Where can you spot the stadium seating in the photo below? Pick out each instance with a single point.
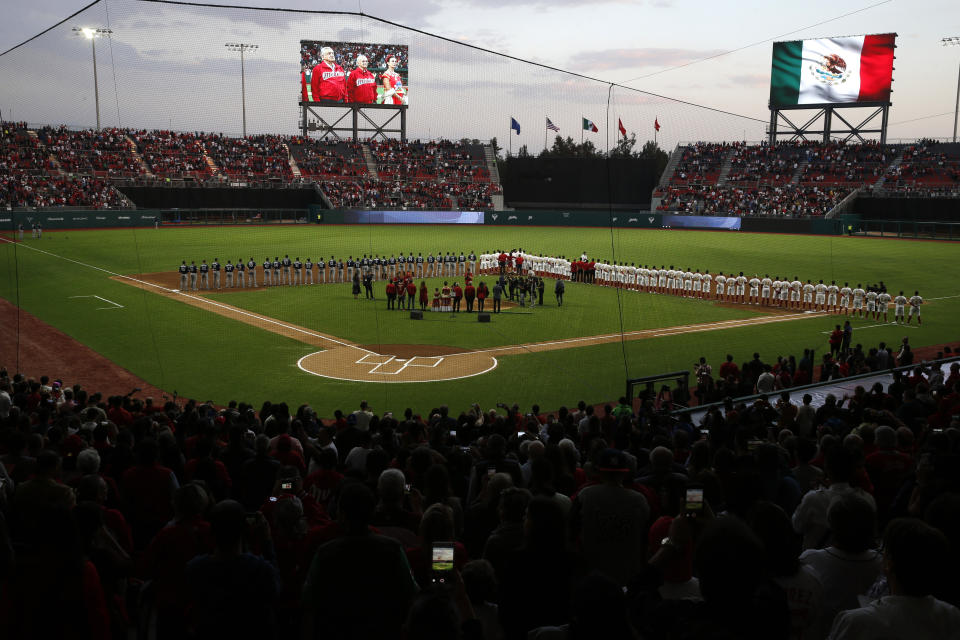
(790, 179)
(118, 491)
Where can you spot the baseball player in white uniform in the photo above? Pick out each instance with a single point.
(858, 294)
(832, 291)
(845, 293)
(883, 303)
(899, 306)
(915, 302)
(820, 295)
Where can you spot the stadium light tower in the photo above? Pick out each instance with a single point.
(242, 48)
(92, 34)
(954, 41)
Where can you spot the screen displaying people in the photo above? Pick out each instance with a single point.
(354, 72)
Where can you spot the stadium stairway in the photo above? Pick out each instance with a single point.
(214, 169)
(725, 167)
(491, 164)
(845, 204)
(136, 154)
(371, 163)
(896, 162)
(671, 167)
(801, 167)
(294, 167)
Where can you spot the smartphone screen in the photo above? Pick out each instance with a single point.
(693, 502)
(441, 561)
(286, 486)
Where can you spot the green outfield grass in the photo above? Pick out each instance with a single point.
(203, 355)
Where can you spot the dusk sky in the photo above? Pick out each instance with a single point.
(635, 44)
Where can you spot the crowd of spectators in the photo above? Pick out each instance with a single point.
(701, 162)
(346, 54)
(927, 163)
(578, 523)
(107, 153)
(766, 200)
(56, 191)
(433, 160)
(255, 157)
(835, 162)
(171, 154)
(328, 159)
(803, 178)
(757, 164)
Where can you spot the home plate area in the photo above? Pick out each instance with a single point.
(392, 365)
(359, 364)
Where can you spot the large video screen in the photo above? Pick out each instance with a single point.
(354, 72)
(843, 70)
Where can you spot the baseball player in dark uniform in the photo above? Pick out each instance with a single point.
(183, 269)
(275, 269)
(251, 271)
(419, 265)
(332, 269)
(239, 268)
(228, 270)
(267, 280)
(286, 263)
(204, 274)
(297, 271)
(308, 271)
(193, 275)
(215, 267)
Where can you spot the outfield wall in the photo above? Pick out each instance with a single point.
(82, 219)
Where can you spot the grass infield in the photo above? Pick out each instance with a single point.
(247, 345)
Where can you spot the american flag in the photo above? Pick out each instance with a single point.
(552, 126)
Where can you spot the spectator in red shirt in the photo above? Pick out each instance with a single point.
(186, 536)
(146, 490)
(729, 368)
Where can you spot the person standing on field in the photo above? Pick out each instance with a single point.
(497, 295)
(915, 302)
(558, 289)
(193, 275)
(215, 267)
(205, 274)
(183, 269)
(251, 271)
(228, 270)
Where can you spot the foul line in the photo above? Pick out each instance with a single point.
(232, 309)
(116, 305)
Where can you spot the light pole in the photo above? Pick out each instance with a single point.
(92, 35)
(242, 48)
(954, 41)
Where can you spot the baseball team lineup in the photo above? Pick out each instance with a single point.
(518, 274)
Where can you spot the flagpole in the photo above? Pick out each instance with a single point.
(655, 120)
(545, 134)
(510, 133)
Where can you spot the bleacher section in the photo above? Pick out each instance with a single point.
(58, 166)
(803, 178)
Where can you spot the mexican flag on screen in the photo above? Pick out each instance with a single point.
(832, 70)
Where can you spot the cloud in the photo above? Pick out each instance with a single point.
(612, 59)
(750, 79)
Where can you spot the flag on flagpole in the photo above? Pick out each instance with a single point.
(656, 124)
(514, 126)
(623, 129)
(589, 126)
(552, 126)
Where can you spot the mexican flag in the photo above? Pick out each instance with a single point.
(589, 126)
(832, 70)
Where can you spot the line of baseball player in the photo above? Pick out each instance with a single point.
(287, 271)
(738, 288)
